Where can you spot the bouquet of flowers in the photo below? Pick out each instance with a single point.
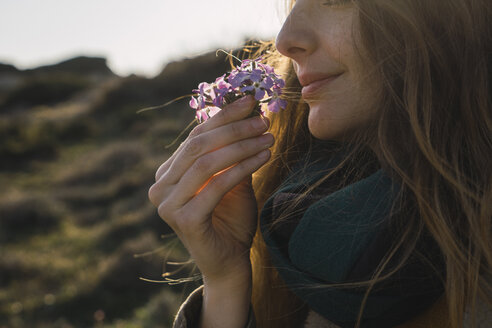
(252, 77)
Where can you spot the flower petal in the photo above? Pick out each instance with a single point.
(213, 110)
(238, 79)
(218, 101)
(193, 103)
(259, 94)
(201, 115)
(280, 83)
(256, 75)
(268, 69)
(247, 88)
(276, 104)
(267, 82)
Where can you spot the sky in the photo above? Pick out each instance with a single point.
(136, 36)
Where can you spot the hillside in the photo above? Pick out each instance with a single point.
(76, 228)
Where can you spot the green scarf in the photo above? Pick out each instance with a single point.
(336, 236)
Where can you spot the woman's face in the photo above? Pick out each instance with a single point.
(320, 36)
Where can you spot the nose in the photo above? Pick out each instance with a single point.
(296, 37)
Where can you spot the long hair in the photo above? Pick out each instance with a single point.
(432, 131)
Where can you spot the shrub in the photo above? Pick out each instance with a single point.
(103, 165)
(46, 90)
(27, 215)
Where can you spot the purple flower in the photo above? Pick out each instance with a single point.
(256, 75)
(222, 85)
(237, 77)
(275, 104)
(201, 115)
(194, 103)
(268, 69)
(202, 93)
(220, 89)
(279, 83)
(245, 63)
(259, 84)
(213, 110)
(251, 77)
(204, 114)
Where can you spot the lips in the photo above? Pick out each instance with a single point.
(313, 82)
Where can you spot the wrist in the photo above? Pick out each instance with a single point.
(235, 278)
(227, 300)
(226, 304)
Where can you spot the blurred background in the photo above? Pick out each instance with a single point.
(80, 244)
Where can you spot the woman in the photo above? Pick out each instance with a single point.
(376, 196)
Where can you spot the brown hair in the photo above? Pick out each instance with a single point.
(433, 61)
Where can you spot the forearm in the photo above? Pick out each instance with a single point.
(226, 304)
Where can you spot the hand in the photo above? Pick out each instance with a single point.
(204, 190)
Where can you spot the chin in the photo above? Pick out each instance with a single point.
(323, 128)
(323, 131)
(329, 125)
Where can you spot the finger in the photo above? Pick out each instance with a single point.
(223, 157)
(165, 166)
(209, 141)
(214, 162)
(235, 111)
(158, 192)
(214, 191)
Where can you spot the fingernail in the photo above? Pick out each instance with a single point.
(263, 154)
(267, 139)
(259, 123)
